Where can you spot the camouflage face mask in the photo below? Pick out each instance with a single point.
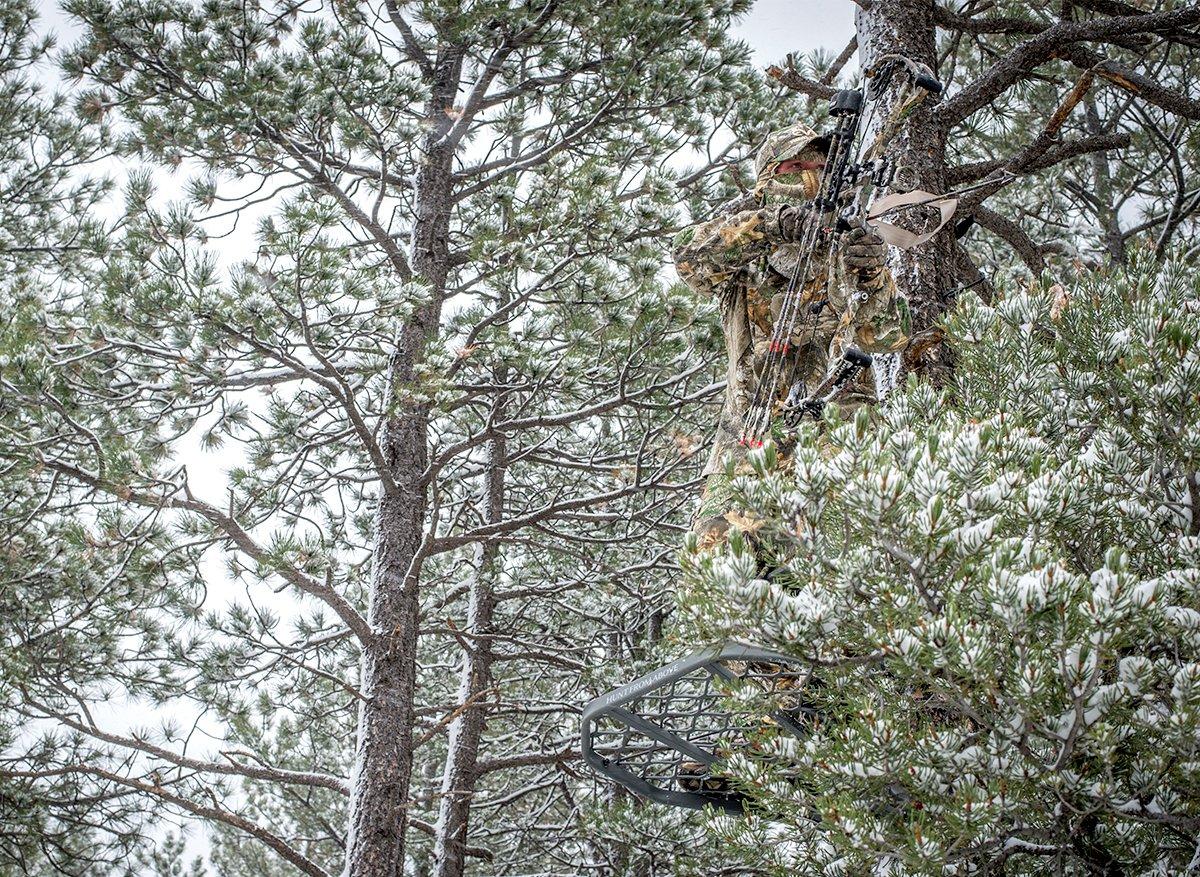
(793, 187)
(795, 141)
(796, 185)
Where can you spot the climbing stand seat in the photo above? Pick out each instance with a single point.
(661, 735)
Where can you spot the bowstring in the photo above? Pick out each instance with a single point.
(759, 415)
(861, 136)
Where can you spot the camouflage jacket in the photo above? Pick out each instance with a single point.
(738, 257)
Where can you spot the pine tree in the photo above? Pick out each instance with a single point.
(439, 399)
(48, 233)
(995, 588)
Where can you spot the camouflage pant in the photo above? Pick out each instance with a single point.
(709, 522)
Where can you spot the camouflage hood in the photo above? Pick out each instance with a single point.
(781, 145)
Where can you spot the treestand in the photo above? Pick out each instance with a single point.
(661, 735)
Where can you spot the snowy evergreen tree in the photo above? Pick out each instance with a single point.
(386, 478)
(361, 456)
(996, 590)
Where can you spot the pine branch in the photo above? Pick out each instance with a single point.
(1065, 150)
(1056, 40)
(229, 526)
(214, 811)
(478, 94)
(1034, 152)
(1133, 82)
(260, 771)
(327, 376)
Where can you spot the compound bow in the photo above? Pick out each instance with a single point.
(852, 175)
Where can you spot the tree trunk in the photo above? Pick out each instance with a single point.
(459, 779)
(924, 274)
(384, 756)
(1106, 213)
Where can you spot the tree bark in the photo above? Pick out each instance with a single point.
(475, 676)
(461, 772)
(384, 755)
(924, 274)
(1114, 240)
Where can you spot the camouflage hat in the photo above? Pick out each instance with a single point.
(784, 144)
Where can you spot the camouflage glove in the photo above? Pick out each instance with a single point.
(864, 252)
(789, 223)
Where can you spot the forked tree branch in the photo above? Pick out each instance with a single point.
(1133, 82)
(1065, 150)
(1055, 41)
(1031, 253)
(792, 78)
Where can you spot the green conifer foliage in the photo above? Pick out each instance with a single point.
(58, 592)
(390, 465)
(996, 589)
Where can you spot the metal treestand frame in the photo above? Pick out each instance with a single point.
(660, 735)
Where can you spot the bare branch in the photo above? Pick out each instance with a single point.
(412, 48)
(1135, 83)
(1116, 7)
(793, 79)
(1031, 253)
(428, 828)
(948, 19)
(567, 753)
(840, 61)
(1065, 150)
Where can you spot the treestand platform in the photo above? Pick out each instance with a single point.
(661, 735)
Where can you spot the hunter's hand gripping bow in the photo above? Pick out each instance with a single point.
(843, 202)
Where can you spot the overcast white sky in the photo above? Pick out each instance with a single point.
(775, 27)
(772, 28)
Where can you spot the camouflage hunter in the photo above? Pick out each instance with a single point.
(745, 257)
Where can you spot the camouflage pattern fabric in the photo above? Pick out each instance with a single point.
(790, 142)
(740, 258)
